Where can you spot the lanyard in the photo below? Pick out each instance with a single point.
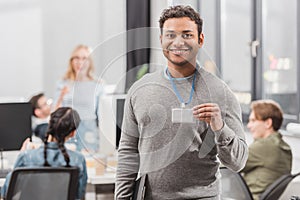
(177, 92)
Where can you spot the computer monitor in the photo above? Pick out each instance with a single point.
(110, 121)
(15, 125)
(119, 119)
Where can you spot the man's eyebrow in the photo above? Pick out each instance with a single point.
(170, 31)
(184, 31)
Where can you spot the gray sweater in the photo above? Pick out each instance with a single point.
(181, 160)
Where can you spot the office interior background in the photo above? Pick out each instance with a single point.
(253, 45)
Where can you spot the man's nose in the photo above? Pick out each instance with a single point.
(178, 41)
(248, 125)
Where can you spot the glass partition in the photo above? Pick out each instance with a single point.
(279, 54)
(235, 48)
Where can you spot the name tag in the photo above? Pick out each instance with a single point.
(182, 115)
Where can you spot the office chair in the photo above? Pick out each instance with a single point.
(275, 190)
(234, 186)
(55, 183)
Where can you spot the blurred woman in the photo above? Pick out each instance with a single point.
(80, 90)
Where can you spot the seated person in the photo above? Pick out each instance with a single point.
(269, 156)
(41, 109)
(62, 126)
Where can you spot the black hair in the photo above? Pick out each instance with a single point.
(178, 12)
(62, 122)
(34, 102)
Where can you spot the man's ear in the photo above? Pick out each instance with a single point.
(269, 123)
(37, 112)
(201, 40)
(160, 38)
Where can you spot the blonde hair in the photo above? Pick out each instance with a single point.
(71, 74)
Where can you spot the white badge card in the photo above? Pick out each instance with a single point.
(182, 115)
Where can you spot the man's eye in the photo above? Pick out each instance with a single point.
(187, 36)
(170, 35)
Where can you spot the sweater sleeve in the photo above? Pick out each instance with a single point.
(231, 144)
(128, 155)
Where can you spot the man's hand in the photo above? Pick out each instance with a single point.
(210, 113)
(27, 145)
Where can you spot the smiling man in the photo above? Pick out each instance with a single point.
(269, 155)
(179, 122)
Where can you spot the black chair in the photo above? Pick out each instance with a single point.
(276, 189)
(235, 187)
(55, 183)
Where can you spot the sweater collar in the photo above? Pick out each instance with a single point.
(183, 78)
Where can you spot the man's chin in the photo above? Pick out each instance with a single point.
(180, 63)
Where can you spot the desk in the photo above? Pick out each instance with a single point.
(107, 178)
(2, 180)
(104, 184)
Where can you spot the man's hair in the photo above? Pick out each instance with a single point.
(34, 102)
(180, 11)
(268, 109)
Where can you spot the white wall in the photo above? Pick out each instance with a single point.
(66, 24)
(21, 50)
(71, 22)
(111, 48)
(37, 37)
(157, 58)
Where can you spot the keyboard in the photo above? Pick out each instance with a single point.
(4, 172)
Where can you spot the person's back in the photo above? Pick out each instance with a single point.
(270, 156)
(62, 126)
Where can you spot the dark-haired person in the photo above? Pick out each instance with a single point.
(269, 155)
(41, 109)
(62, 126)
(179, 122)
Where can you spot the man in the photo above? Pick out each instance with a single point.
(41, 110)
(269, 156)
(179, 122)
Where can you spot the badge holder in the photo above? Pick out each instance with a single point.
(182, 115)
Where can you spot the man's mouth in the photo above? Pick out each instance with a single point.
(179, 51)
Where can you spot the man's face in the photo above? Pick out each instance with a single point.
(180, 41)
(44, 107)
(258, 128)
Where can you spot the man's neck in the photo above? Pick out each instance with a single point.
(181, 71)
(268, 133)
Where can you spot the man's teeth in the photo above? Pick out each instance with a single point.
(179, 51)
